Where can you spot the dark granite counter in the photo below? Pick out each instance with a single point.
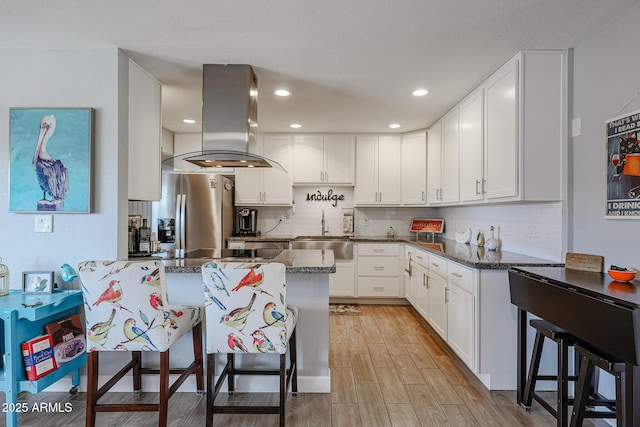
(466, 254)
(296, 262)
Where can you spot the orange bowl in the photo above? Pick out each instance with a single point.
(622, 276)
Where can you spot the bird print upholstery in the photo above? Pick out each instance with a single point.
(127, 307)
(246, 308)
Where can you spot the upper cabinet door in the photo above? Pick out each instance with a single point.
(366, 189)
(339, 155)
(413, 169)
(501, 118)
(277, 183)
(450, 192)
(471, 177)
(145, 127)
(389, 170)
(308, 159)
(434, 164)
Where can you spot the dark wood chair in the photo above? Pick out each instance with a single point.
(247, 312)
(564, 341)
(585, 396)
(127, 309)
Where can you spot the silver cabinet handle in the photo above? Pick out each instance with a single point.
(457, 275)
(435, 264)
(477, 189)
(446, 294)
(378, 251)
(378, 268)
(378, 288)
(423, 195)
(326, 176)
(425, 281)
(484, 181)
(321, 176)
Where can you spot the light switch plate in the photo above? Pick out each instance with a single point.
(44, 224)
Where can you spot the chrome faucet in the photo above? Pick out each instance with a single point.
(324, 230)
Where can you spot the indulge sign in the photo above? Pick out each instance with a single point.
(318, 196)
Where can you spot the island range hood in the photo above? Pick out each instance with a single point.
(229, 121)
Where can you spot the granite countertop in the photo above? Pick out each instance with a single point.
(466, 254)
(295, 261)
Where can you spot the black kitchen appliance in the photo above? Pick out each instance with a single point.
(247, 222)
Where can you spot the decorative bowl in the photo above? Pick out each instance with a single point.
(622, 276)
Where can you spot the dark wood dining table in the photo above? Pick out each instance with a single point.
(591, 306)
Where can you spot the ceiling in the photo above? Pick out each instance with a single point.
(350, 64)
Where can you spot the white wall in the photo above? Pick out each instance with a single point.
(605, 79)
(93, 78)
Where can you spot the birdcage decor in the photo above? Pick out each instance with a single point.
(4, 279)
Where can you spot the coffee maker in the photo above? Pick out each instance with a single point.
(247, 224)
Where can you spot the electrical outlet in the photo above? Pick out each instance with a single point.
(506, 230)
(532, 231)
(576, 127)
(366, 222)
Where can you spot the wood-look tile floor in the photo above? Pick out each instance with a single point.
(388, 368)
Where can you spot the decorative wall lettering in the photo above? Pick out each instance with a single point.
(328, 197)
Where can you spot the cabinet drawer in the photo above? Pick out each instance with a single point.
(378, 266)
(378, 249)
(421, 258)
(461, 277)
(438, 265)
(378, 287)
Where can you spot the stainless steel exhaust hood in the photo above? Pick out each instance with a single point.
(229, 121)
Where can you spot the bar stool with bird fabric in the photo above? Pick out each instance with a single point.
(127, 309)
(246, 311)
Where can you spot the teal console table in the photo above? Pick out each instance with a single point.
(22, 323)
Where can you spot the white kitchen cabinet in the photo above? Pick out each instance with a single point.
(267, 186)
(437, 304)
(434, 163)
(409, 283)
(145, 127)
(414, 169)
(378, 270)
(342, 282)
(377, 170)
(323, 159)
(442, 154)
(461, 312)
(471, 147)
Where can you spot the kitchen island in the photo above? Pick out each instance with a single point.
(307, 273)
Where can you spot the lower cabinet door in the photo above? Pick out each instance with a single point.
(421, 299)
(460, 314)
(437, 304)
(342, 282)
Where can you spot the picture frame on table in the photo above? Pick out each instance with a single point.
(50, 159)
(37, 282)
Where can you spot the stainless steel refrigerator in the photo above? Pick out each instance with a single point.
(195, 212)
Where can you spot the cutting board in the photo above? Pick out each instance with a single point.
(584, 262)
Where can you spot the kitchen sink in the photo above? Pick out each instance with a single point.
(341, 246)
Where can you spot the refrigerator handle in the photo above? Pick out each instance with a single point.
(183, 243)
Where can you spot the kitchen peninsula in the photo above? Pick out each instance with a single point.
(307, 288)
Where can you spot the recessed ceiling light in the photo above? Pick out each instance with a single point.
(420, 92)
(190, 121)
(295, 125)
(394, 125)
(282, 92)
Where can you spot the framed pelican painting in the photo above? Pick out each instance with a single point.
(51, 159)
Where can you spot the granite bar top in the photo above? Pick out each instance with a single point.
(466, 254)
(295, 261)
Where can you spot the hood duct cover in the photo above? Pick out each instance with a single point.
(229, 121)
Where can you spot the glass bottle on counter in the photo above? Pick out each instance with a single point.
(144, 238)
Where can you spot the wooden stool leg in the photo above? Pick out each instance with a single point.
(136, 357)
(582, 392)
(197, 354)
(92, 389)
(211, 392)
(294, 363)
(530, 385)
(283, 388)
(164, 389)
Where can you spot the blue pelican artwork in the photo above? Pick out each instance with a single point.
(52, 174)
